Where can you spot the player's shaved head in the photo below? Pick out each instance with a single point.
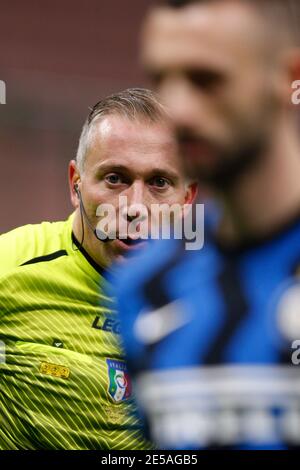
(282, 15)
(224, 68)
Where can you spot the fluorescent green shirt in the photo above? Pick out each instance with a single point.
(63, 384)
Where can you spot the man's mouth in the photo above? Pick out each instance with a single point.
(128, 244)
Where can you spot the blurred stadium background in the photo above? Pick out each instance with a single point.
(57, 58)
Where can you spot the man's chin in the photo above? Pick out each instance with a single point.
(124, 257)
(221, 169)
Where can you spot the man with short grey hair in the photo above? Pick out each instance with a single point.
(64, 382)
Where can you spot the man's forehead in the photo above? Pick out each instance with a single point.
(115, 130)
(198, 31)
(118, 140)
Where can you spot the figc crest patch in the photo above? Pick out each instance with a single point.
(119, 382)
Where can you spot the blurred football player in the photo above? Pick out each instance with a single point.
(212, 336)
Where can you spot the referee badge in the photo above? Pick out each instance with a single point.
(119, 387)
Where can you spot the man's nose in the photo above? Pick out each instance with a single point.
(136, 208)
(176, 93)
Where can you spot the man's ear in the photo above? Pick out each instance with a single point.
(74, 178)
(291, 64)
(191, 192)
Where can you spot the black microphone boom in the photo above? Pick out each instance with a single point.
(102, 236)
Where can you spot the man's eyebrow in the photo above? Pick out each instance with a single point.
(110, 166)
(164, 172)
(155, 171)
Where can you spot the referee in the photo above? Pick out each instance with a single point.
(64, 382)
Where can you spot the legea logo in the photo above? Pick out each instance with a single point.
(2, 92)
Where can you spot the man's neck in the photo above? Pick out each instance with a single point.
(88, 241)
(268, 195)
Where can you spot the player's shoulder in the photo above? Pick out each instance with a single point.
(162, 259)
(145, 264)
(23, 244)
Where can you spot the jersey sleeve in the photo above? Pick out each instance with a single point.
(28, 242)
(15, 248)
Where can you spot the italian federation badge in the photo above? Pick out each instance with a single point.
(119, 382)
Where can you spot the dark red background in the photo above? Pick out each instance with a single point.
(57, 59)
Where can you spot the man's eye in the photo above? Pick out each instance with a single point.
(159, 182)
(113, 178)
(205, 79)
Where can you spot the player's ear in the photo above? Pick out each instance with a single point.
(295, 76)
(291, 77)
(74, 178)
(191, 192)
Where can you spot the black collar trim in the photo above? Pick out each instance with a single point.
(93, 263)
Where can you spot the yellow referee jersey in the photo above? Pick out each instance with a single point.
(63, 379)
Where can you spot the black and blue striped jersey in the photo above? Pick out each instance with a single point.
(213, 341)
